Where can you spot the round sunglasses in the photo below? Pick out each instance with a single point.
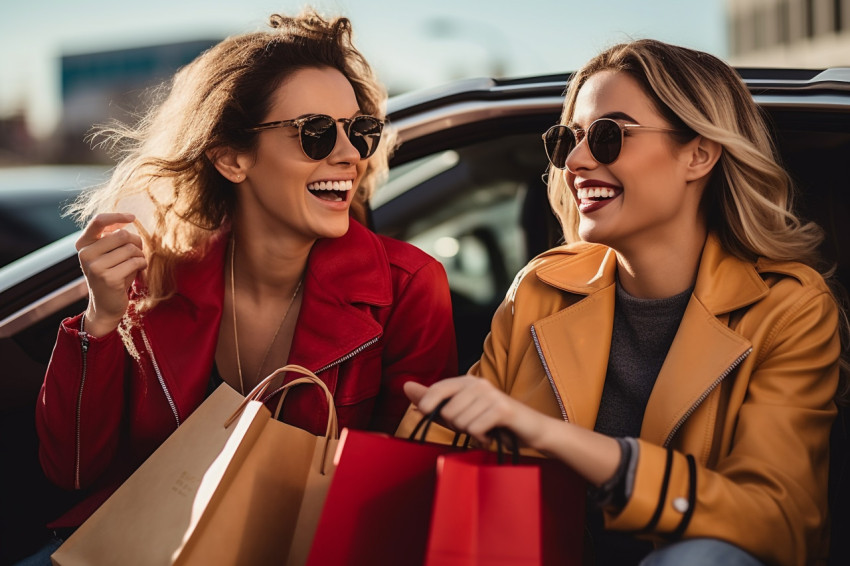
(317, 133)
(604, 139)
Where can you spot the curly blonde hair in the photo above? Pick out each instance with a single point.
(164, 175)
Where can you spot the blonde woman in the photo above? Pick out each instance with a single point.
(681, 352)
(247, 185)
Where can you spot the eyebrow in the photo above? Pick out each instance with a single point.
(613, 115)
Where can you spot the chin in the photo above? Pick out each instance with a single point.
(588, 234)
(336, 229)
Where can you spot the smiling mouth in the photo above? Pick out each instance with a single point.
(333, 191)
(595, 193)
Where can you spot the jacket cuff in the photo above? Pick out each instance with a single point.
(663, 495)
(74, 326)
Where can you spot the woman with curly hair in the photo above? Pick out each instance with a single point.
(247, 187)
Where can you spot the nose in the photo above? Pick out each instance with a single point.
(580, 157)
(344, 151)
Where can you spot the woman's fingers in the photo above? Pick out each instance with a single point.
(475, 405)
(117, 265)
(481, 417)
(112, 260)
(414, 391)
(131, 244)
(102, 224)
(110, 257)
(440, 391)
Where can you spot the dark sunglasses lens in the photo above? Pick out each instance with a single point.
(318, 137)
(605, 141)
(559, 142)
(364, 133)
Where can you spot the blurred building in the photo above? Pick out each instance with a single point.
(112, 85)
(16, 143)
(789, 33)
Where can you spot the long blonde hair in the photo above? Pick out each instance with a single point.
(164, 175)
(749, 200)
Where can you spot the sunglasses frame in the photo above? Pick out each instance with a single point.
(299, 123)
(622, 128)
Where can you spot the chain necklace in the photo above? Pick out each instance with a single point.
(236, 334)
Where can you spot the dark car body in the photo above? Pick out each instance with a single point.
(467, 186)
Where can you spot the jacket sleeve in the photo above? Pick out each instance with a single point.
(419, 342)
(493, 365)
(80, 406)
(767, 494)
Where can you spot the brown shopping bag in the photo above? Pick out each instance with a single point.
(488, 513)
(230, 486)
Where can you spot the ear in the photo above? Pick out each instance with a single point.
(703, 157)
(229, 163)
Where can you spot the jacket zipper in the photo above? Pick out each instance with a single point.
(345, 358)
(548, 374)
(84, 347)
(705, 394)
(159, 375)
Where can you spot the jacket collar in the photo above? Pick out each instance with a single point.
(351, 269)
(591, 267)
(345, 276)
(575, 342)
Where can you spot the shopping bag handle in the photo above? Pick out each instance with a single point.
(308, 377)
(499, 434)
(425, 423)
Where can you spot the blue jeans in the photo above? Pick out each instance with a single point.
(700, 552)
(42, 557)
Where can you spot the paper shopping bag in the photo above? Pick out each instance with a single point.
(378, 506)
(488, 514)
(230, 486)
(269, 510)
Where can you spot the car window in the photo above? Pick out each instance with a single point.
(477, 238)
(479, 210)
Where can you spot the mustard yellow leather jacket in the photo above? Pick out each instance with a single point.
(746, 393)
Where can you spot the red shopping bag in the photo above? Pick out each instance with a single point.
(378, 506)
(530, 513)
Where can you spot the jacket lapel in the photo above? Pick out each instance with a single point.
(344, 277)
(702, 351)
(705, 349)
(192, 317)
(574, 342)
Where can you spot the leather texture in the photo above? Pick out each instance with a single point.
(747, 389)
(375, 310)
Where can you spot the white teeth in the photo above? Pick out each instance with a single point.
(331, 186)
(596, 192)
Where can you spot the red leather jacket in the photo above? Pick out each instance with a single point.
(375, 313)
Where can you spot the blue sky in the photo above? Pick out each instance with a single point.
(412, 44)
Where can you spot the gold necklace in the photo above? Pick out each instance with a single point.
(236, 333)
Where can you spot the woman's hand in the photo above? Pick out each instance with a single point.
(110, 257)
(477, 407)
